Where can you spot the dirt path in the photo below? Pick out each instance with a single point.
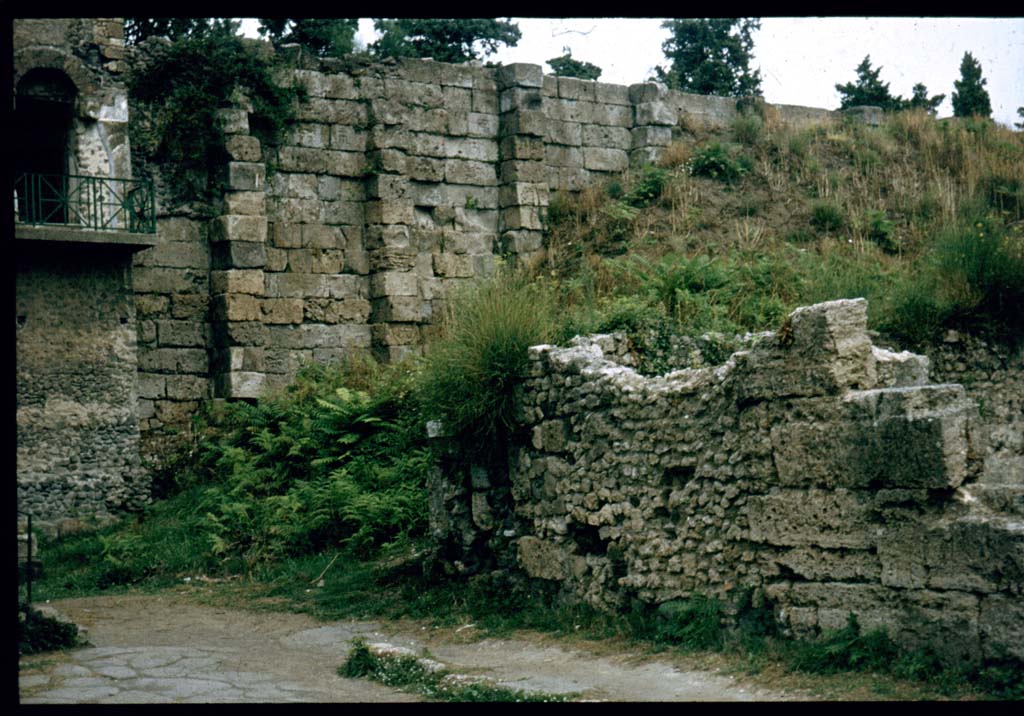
(165, 649)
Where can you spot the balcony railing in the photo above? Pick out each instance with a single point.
(85, 202)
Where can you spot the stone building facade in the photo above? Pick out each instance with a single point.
(79, 220)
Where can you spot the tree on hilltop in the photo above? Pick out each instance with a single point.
(445, 40)
(970, 97)
(869, 90)
(1020, 113)
(921, 100)
(567, 66)
(711, 56)
(326, 37)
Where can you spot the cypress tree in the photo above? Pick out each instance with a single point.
(970, 97)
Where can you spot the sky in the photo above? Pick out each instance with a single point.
(801, 59)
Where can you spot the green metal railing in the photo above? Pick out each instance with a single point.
(85, 202)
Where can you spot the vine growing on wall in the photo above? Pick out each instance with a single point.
(175, 92)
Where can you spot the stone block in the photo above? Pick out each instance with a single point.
(152, 385)
(462, 171)
(308, 134)
(519, 74)
(650, 136)
(823, 518)
(393, 283)
(482, 125)
(340, 86)
(608, 115)
(825, 565)
(347, 139)
(522, 148)
(1001, 625)
(226, 255)
(605, 160)
(233, 121)
(236, 307)
(401, 309)
(239, 384)
(522, 217)
(388, 211)
(187, 387)
(300, 159)
(174, 254)
(174, 360)
(246, 176)
(521, 242)
(245, 203)
(319, 236)
(480, 150)
(296, 285)
(347, 286)
(567, 133)
(425, 169)
(147, 279)
(238, 227)
(248, 333)
(343, 213)
(344, 164)
(611, 94)
(532, 122)
(243, 148)
(181, 333)
(484, 102)
(395, 334)
(519, 98)
(277, 260)
(235, 358)
(897, 370)
(523, 194)
(514, 171)
(282, 310)
(647, 92)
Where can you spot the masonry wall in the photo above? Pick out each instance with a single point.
(824, 474)
(77, 442)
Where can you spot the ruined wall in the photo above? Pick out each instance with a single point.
(77, 441)
(816, 469)
(397, 182)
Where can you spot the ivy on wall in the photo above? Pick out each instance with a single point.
(175, 92)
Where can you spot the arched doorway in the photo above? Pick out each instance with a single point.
(43, 119)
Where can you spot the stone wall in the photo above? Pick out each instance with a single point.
(397, 182)
(823, 473)
(78, 433)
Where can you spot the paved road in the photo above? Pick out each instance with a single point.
(165, 649)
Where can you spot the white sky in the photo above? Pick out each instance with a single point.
(801, 59)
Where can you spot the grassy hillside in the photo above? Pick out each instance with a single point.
(737, 227)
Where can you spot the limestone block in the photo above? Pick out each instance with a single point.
(347, 139)
(277, 260)
(519, 74)
(824, 518)
(233, 121)
(174, 254)
(481, 150)
(563, 156)
(309, 134)
(454, 75)
(246, 176)
(154, 279)
(187, 387)
(573, 88)
(238, 227)
(896, 370)
(242, 148)
(239, 384)
(236, 307)
(605, 160)
(152, 385)
(313, 82)
(531, 122)
(946, 621)
(282, 310)
(826, 565)
(402, 309)
(550, 436)
(299, 159)
(605, 93)
(393, 283)
(174, 360)
(608, 137)
(425, 169)
(518, 98)
(388, 211)
(238, 254)
(387, 186)
(522, 217)
(296, 285)
(244, 358)
(476, 197)
(484, 102)
(568, 110)
(523, 194)
(647, 92)
(340, 86)
(542, 559)
(656, 113)
(970, 554)
(522, 148)
(459, 171)
(319, 236)
(247, 333)
(395, 334)
(451, 265)
(344, 164)
(245, 203)
(392, 258)
(513, 171)
(1001, 625)
(344, 213)
(482, 125)
(567, 133)
(329, 310)
(650, 136)
(190, 306)
(181, 333)
(609, 115)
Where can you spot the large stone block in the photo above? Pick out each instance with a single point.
(460, 171)
(236, 307)
(542, 559)
(605, 160)
(282, 310)
(296, 285)
(656, 113)
(181, 333)
(233, 227)
(401, 309)
(823, 518)
(246, 176)
(226, 255)
(393, 283)
(239, 384)
(519, 74)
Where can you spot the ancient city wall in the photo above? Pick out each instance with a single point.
(823, 473)
(398, 181)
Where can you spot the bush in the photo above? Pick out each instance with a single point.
(879, 229)
(716, 162)
(747, 129)
(38, 632)
(647, 188)
(694, 623)
(469, 376)
(846, 649)
(827, 217)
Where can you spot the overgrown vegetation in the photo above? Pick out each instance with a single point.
(413, 674)
(175, 95)
(39, 633)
